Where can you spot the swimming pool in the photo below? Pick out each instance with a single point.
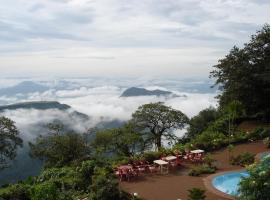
(228, 182)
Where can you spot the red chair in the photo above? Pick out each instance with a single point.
(141, 169)
(152, 168)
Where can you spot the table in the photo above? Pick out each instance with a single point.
(170, 158)
(197, 151)
(162, 165)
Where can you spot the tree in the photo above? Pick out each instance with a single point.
(9, 141)
(124, 141)
(157, 120)
(201, 122)
(244, 75)
(257, 185)
(196, 194)
(233, 111)
(55, 128)
(59, 150)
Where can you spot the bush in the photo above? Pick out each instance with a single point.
(257, 185)
(104, 186)
(243, 159)
(16, 192)
(259, 133)
(209, 140)
(196, 194)
(266, 141)
(45, 191)
(201, 169)
(239, 137)
(151, 156)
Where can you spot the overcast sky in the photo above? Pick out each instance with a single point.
(123, 37)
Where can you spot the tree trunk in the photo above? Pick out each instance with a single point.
(158, 142)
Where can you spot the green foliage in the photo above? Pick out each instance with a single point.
(197, 170)
(238, 137)
(259, 133)
(16, 192)
(209, 160)
(257, 185)
(65, 183)
(152, 155)
(266, 141)
(45, 191)
(202, 121)
(179, 148)
(196, 194)
(243, 75)
(209, 140)
(9, 141)
(243, 159)
(157, 120)
(220, 125)
(104, 186)
(65, 177)
(124, 141)
(232, 111)
(59, 150)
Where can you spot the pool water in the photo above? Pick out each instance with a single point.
(228, 182)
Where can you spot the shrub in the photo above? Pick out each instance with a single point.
(151, 156)
(179, 148)
(239, 137)
(257, 185)
(259, 133)
(209, 140)
(16, 192)
(209, 160)
(201, 169)
(45, 191)
(243, 159)
(266, 141)
(104, 186)
(196, 194)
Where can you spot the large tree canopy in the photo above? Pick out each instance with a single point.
(59, 150)
(244, 75)
(9, 141)
(124, 141)
(201, 122)
(158, 120)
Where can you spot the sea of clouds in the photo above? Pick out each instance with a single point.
(99, 98)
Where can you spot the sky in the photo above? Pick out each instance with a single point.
(163, 38)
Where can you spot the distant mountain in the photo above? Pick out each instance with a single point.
(44, 105)
(135, 91)
(23, 88)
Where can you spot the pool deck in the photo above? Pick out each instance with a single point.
(176, 184)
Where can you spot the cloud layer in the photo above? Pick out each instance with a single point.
(119, 37)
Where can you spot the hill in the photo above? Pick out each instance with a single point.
(43, 105)
(135, 91)
(23, 88)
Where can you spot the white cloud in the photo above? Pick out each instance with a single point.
(118, 37)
